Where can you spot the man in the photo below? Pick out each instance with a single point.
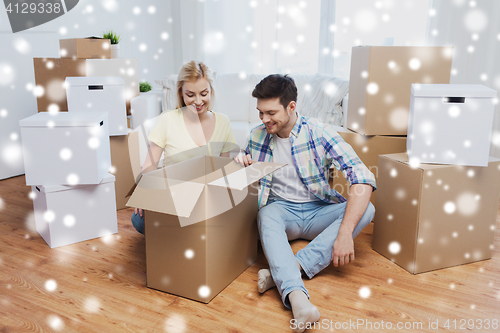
(297, 202)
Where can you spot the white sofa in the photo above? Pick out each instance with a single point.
(319, 96)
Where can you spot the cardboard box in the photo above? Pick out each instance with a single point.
(368, 148)
(70, 214)
(121, 168)
(125, 68)
(451, 123)
(50, 74)
(106, 94)
(379, 84)
(200, 220)
(65, 148)
(85, 48)
(435, 216)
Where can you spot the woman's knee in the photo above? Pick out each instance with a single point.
(138, 222)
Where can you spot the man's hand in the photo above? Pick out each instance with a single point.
(243, 159)
(343, 249)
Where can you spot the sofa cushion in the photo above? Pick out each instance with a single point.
(323, 100)
(232, 96)
(241, 129)
(169, 92)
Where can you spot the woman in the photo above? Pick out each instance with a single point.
(191, 130)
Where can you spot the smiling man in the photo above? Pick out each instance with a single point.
(297, 201)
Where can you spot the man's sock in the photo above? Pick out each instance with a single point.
(265, 281)
(303, 310)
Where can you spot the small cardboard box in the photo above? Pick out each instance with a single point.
(435, 216)
(106, 94)
(367, 148)
(50, 74)
(121, 168)
(70, 214)
(125, 68)
(65, 148)
(451, 123)
(85, 48)
(200, 221)
(379, 84)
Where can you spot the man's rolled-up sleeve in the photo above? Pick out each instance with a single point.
(346, 160)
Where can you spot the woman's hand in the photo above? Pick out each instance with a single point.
(139, 211)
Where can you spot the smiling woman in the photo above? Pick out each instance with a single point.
(192, 129)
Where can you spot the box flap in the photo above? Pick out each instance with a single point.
(57, 188)
(65, 119)
(185, 195)
(452, 90)
(165, 195)
(94, 81)
(245, 176)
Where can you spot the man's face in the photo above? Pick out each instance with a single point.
(275, 116)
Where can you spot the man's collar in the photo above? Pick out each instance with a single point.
(296, 127)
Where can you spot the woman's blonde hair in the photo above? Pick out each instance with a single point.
(192, 71)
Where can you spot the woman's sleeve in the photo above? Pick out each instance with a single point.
(230, 142)
(158, 134)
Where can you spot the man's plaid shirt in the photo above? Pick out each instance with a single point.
(315, 147)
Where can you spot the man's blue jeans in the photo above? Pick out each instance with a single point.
(281, 221)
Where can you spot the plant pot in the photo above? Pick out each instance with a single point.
(115, 51)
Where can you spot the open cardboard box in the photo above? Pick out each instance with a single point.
(200, 223)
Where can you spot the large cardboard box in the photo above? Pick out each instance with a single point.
(65, 148)
(50, 74)
(368, 148)
(85, 48)
(106, 94)
(126, 68)
(70, 214)
(121, 168)
(451, 123)
(200, 222)
(379, 84)
(435, 216)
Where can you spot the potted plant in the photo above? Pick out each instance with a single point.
(115, 39)
(144, 87)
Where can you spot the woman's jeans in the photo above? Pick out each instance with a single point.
(281, 221)
(138, 222)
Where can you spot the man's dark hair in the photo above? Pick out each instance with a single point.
(276, 85)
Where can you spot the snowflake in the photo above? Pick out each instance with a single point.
(364, 292)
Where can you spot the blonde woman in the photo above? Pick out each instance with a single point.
(191, 130)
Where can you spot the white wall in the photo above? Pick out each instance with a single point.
(145, 28)
(473, 28)
(376, 22)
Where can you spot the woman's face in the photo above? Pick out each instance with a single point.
(197, 95)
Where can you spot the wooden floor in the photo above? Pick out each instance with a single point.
(99, 286)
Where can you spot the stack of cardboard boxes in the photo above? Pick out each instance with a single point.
(91, 57)
(437, 205)
(379, 98)
(66, 159)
